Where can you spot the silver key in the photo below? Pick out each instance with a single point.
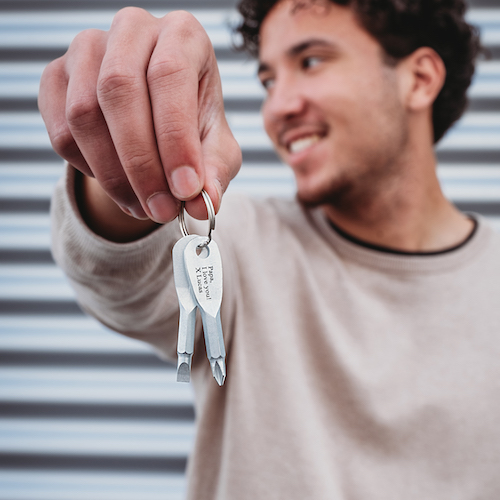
(203, 266)
(187, 311)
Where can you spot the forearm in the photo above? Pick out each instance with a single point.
(104, 217)
(127, 286)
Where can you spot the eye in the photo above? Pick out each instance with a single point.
(311, 62)
(267, 83)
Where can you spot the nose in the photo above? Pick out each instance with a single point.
(284, 101)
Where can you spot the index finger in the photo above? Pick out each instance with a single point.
(182, 75)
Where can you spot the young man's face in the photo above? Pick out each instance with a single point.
(333, 109)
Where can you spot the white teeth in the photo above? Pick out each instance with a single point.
(303, 143)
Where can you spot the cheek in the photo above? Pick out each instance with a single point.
(269, 125)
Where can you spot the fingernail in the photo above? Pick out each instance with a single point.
(126, 210)
(163, 207)
(138, 212)
(185, 182)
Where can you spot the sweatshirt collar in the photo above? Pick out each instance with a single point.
(386, 259)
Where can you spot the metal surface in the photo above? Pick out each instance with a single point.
(187, 311)
(197, 267)
(53, 366)
(204, 271)
(211, 218)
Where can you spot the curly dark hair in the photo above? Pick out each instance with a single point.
(401, 27)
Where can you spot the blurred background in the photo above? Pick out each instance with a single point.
(85, 413)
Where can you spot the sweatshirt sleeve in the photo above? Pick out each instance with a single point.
(126, 286)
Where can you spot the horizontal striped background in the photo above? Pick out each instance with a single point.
(85, 413)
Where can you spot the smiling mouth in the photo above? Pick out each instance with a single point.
(303, 143)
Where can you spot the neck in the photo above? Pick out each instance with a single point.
(406, 212)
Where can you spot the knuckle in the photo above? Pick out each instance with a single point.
(137, 162)
(129, 14)
(82, 112)
(88, 37)
(53, 74)
(174, 132)
(185, 27)
(183, 21)
(175, 69)
(62, 141)
(54, 68)
(231, 166)
(235, 158)
(228, 160)
(89, 43)
(116, 84)
(115, 185)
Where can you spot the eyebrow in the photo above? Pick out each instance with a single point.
(297, 50)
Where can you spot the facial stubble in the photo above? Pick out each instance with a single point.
(373, 166)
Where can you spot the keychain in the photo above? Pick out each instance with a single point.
(197, 269)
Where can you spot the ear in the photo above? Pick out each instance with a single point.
(423, 73)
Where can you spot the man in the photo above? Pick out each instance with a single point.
(362, 321)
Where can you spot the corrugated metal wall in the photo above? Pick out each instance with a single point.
(85, 413)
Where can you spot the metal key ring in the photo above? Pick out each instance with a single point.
(211, 218)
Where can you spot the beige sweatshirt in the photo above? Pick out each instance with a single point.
(353, 373)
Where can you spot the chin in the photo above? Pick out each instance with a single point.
(334, 191)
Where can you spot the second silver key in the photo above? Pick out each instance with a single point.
(204, 269)
(187, 311)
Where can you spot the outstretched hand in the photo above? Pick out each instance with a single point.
(140, 108)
